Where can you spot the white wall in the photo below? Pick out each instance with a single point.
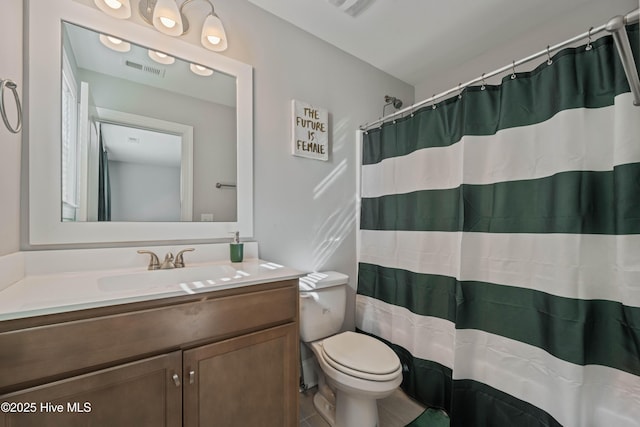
(305, 209)
(10, 144)
(144, 192)
(593, 14)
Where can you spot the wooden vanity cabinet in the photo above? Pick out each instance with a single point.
(243, 381)
(228, 358)
(140, 393)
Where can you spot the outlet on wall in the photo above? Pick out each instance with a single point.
(206, 217)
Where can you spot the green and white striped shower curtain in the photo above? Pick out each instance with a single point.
(499, 246)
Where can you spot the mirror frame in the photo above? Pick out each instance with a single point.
(43, 67)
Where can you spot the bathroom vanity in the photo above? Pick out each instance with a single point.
(222, 354)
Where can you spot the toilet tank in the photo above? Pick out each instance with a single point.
(323, 298)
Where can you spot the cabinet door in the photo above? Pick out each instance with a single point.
(251, 380)
(142, 393)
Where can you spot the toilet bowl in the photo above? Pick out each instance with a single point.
(354, 370)
(356, 391)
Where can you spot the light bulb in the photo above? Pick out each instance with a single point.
(115, 43)
(200, 70)
(167, 22)
(213, 39)
(161, 58)
(213, 36)
(120, 9)
(167, 19)
(114, 40)
(113, 4)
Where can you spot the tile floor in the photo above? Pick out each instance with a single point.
(397, 410)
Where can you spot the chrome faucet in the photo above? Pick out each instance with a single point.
(168, 263)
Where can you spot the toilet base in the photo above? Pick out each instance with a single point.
(355, 411)
(347, 411)
(326, 409)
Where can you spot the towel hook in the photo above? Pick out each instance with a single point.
(13, 86)
(549, 60)
(589, 46)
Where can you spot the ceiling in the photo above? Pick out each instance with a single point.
(141, 146)
(411, 39)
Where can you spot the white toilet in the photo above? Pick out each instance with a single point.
(355, 369)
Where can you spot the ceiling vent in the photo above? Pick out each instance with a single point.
(351, 7)
(145, 68)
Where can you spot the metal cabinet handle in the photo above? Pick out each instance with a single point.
(176, 380)
(192, 377)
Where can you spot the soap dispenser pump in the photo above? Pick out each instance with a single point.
(236, 249)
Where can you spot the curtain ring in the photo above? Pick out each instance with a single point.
(459, 91)
(484, 84)
(588, 47)
(513, 67)
(549, 60)
(13, 86)
(434, 106)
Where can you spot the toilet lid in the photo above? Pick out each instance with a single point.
(361, 355)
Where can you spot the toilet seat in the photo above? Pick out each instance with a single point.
(361, 356)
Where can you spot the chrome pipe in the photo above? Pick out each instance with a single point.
(630, 18)
(616, 26)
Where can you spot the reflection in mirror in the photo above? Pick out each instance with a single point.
(145, 136)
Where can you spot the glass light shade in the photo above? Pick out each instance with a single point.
(166, 18)
(114, 43)
(200, 70)
(120, 9)
(213, 36)
(161, 58)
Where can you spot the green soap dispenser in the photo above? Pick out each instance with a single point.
(236, 249)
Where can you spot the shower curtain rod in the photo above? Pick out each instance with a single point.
(615, 25)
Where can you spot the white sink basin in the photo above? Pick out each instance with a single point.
(180, 278)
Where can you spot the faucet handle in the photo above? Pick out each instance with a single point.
(179, 262)
(154, 262)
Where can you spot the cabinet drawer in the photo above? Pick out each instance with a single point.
(39, 354)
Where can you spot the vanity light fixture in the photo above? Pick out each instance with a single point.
(115, 43)
(200, 70)
(213, 35)
(167, 18)
(161, 58)
(120, 9)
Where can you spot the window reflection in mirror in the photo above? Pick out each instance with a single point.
(144, 138)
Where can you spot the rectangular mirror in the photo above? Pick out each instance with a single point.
(124, 147)
(125, 155)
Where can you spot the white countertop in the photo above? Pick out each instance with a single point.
(41, 294)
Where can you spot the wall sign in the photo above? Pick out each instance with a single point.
(310, 135)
